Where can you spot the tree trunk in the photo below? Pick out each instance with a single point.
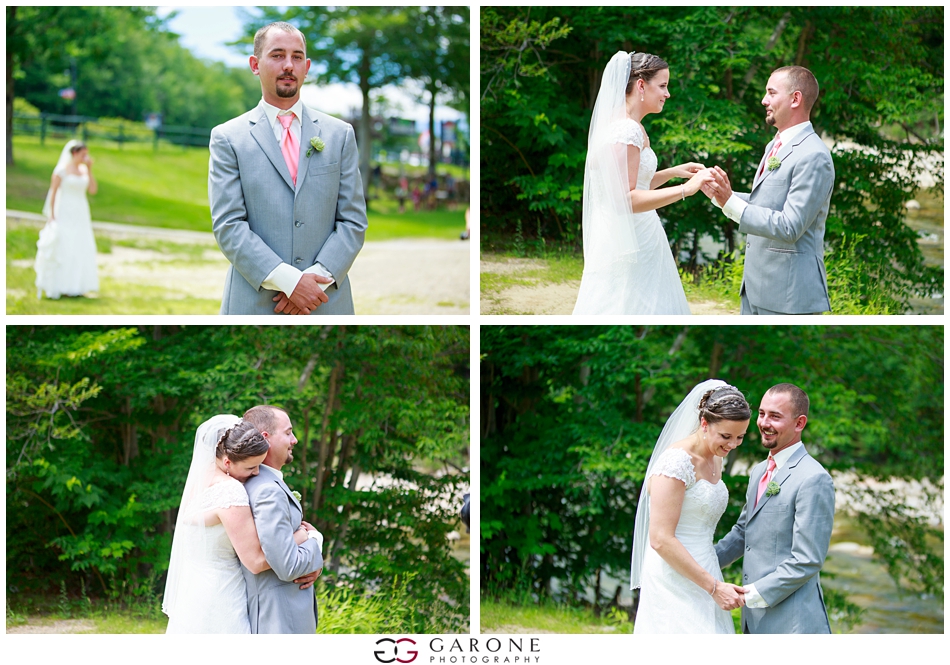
(364, 139)
(433, 154)
(11, 21)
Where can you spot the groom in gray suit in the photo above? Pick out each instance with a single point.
(784, 215)
(280, 600)
(286, 196)
(784, 529)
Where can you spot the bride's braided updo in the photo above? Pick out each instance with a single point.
(240, 442)
(644, 66)
(724, 403)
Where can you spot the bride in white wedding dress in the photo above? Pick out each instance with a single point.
(683, 497)
(66, 251)
(628, 265)
(205, 591)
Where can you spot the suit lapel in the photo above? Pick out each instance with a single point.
(309, 128)
(263, 133)
(783, 152)
(761, 167)
(780, 476)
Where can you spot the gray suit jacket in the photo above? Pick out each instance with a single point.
(260, 219)
(783, 542)
(274, 603)
(785, 222)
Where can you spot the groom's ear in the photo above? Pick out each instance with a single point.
(800, 423)
(254, 64)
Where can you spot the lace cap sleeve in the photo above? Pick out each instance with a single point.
(676, 463)
(627, 131)
(225, 494)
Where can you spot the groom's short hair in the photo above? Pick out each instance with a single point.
(796, 396)
(261, 35)
(263, 417)
(802, 80)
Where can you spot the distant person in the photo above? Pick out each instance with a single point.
(66, 251)
(467, 233)
(402, 192)
(287, 204)
(416, 196)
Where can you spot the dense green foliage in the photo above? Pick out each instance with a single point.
(881, 74)
(127, 63)
(100, 431)
(570, 415)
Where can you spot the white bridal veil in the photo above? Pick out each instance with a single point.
(682, 423)
(188, 544)
(608, 218)
(64, 158)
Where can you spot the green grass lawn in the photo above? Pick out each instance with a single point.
(169, 189)
(114, 297)
(548, 618)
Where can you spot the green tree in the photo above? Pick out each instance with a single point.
(438, 57)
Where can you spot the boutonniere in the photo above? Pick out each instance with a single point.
(772, 488)
(299, 498)
(773, 163)
(316, 143)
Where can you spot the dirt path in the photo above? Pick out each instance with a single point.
(532, 295)
(413, 276)
(37, 625)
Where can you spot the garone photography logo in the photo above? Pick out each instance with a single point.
(389, 651)
(511, 650)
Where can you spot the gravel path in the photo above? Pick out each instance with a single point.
(412, 276)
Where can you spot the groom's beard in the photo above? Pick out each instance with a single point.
(769, 444)
(286, 92)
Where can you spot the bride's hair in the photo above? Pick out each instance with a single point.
(644, 66)
(79, 145)
(240, 442)
(724, 403)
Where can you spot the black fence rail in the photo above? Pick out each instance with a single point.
(49, 125)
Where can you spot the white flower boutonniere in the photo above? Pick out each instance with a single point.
(772, 488)
(773, 163)
(316, 143)
(296, 494)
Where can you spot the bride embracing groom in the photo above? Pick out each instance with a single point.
(628, 265)
(782, 535)
(242, 560)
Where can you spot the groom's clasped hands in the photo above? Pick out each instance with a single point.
(306, 297)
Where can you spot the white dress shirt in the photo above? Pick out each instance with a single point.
(752, 597)
(735, 206)
(285, 277)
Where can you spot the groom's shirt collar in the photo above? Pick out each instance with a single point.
(789, 134)
(279, 473)
(782, 456)
(271, 113)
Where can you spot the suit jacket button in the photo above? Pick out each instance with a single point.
(748, 549)
(298, 223)
(298, 260)
(745, 577)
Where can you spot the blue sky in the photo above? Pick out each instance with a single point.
(205, 30)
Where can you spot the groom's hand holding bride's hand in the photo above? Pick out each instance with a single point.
(719, 189)
(687, 170)
(307, 296)
(307, 580)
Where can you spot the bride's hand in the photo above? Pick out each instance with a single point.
(729, 596)
(695, 183)
(687, 170)
(300, 535)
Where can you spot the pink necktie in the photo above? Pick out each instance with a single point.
(772, 153)
(765, 480)
(289, 145)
